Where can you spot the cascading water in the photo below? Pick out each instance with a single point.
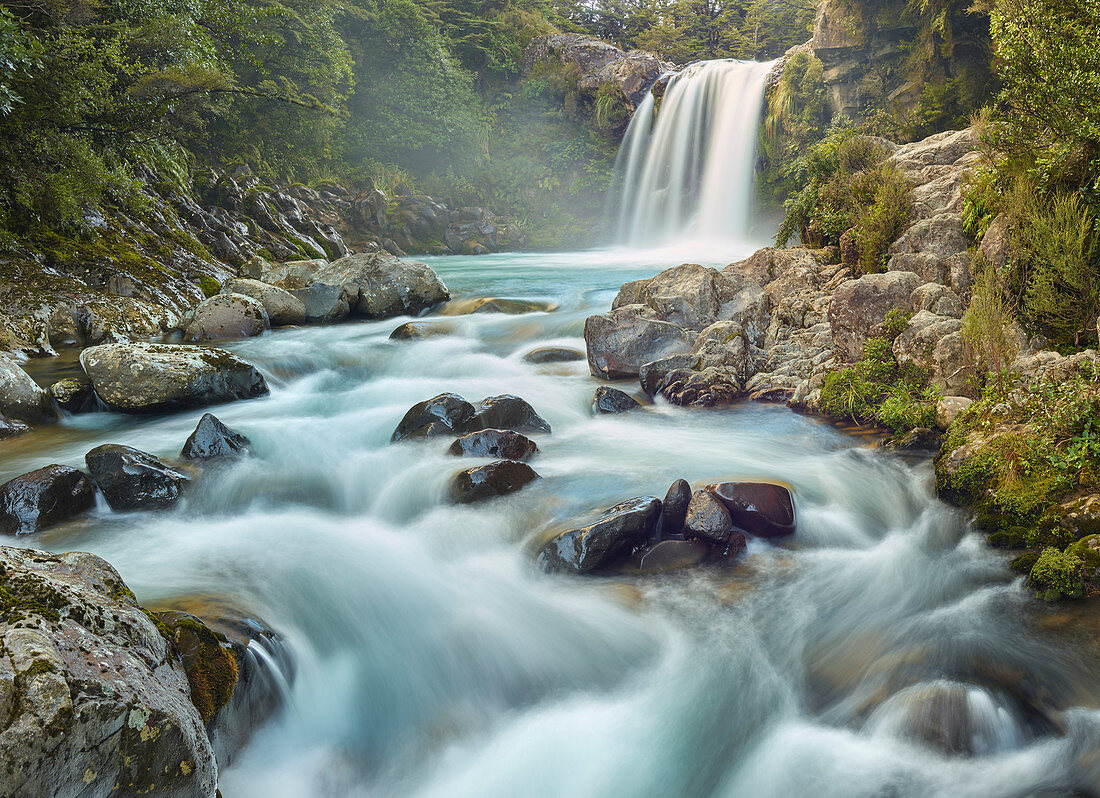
(687, 172)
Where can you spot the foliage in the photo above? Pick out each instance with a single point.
(1058, 573)
(846, 184)
(877, 390)
(985, 323)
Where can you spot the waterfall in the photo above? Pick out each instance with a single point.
(688, 170)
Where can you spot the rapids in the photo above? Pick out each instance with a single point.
(435, 659)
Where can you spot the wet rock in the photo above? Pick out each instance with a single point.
(672, 555)
(211, 438)
(9, 428)
(95, 701)
(42, 498)
(612, 400)
(445, 414)
(20, 397)
(711, 387)
(489, 481)
(136, 378)
(225, 316)
(605, 542)
(73, 395)
(418, 330)
(497, 443)
(553, 354)
(759, 508)
(621, 341)
(511, 307)
(707, 519)
(651, 375)
(859, 308)
(674, 509)
(282, 307)
(920, 439)
(210, 663)
(131, 479)
(508, 412)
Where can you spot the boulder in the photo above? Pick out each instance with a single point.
(131, 479)
(282, 307)
(323, 304)
(651, 375)
(674, 509)
(44, 497)
(137, 378)
(859, 308)
(211, 438)
(937, 299)
(73, 395)
(21, 398)
(553, 354)
(489, 481)
(759, 508)
(724, 345)
(496, 443)
(707, 519)
(612, 400)
(603, 543)
(934, 343)
(621, 341)
(711, 387)
(948, 409)
(9, 428)
(96, 703)
(941, 235)
(694, 297)
(507, 412)
(384, 286)
(918, 440)
(769, 263)
(225, 316)
(444, 414)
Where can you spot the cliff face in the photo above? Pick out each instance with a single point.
(880, 56)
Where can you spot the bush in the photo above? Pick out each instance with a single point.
(848, 185)
(985, 324)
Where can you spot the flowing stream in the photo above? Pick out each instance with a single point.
(883, 650)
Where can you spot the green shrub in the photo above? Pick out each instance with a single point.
(985, 323)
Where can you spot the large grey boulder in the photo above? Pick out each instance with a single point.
(138, 378)
(859, 308)
(378, 285)
(941, 235)
(694, 297)
(21, 397)
(95, 702)
(225, 316)
(934, 343)
(621, 341)
(282, 307)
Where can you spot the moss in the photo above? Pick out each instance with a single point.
(208, 285)
(1025, 562)
(23, 595)
(1058, 574)
(210, 665)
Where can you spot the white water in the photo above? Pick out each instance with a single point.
(685, 175)
(435, 659)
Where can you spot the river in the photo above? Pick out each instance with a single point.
(436, 659)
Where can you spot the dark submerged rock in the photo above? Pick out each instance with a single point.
(498, 443)
(710, 387)
(674, 509)
(759, 508)
(132, 479)
(212, 438)
(445, 414)
(489, 481)
(508, 412)
(604, 542)
(707, 518)
(42, 498)
(553, 354)
(670, 555)
(612, 400)
(416, 330)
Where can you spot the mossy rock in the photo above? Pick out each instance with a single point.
(210, 287)
(207, 659)
(1057, 574)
